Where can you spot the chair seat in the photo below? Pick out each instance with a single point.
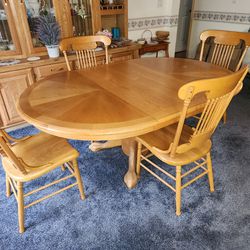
(41, 153)
(162, 138)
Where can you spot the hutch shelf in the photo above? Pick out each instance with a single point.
(108, 16)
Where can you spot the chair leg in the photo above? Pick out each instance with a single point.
(78, 179)
(20, 203)
(210, 173)
(8, 187)
(138, 161)
(178, 190)
(63, 167)
(225, 117)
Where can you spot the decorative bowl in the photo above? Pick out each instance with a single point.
(141, 41)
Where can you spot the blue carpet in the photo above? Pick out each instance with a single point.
(113, 217)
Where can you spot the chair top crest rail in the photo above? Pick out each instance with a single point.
(228, 50)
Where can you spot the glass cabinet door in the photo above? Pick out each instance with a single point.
(19, 21)
(81, 17)
(34, 9)
(9, 44)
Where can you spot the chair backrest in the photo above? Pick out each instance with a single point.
(225, 44)
(5, 147)
(218, 92)
(84, 47)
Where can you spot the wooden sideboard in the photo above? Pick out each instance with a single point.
(15, 78)
(155, 48)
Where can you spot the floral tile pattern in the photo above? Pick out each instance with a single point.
(225, 17)
(172, 21)
(152, 22)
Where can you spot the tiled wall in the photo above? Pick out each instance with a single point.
(152, 22)
(153, 15)
(225, 17)
(208, 14)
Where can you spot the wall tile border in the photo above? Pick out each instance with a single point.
(152, 22)
(225, 17)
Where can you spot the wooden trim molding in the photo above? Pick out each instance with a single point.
(63, 16)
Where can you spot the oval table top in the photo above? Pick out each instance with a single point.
(114, 101)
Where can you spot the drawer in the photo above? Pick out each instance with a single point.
(123, 56)
(48, 70)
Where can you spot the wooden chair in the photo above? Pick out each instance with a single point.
(31, 157)
(225, 45)
(178, 145)
(224, 51)
(84, 47)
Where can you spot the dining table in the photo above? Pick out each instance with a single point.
(114, 102)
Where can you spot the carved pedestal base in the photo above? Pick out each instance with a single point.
(96, 145)
(129, 147)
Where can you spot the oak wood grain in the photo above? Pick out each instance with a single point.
(114, 101)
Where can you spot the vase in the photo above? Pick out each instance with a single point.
(53, 51)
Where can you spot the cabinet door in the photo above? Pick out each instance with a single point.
(81, 17)
(12, 84)
(74, 17)
(27, 13)
(9, 44)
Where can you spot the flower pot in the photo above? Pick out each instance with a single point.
(53, 51)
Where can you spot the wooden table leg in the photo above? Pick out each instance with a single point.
(166, 52)
(129, 147)
(96, 145)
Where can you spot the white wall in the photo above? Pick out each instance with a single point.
(232, 15)
(149, 8)
(235, 6)
(153, 15)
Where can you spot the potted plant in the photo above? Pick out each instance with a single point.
(49, 34)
